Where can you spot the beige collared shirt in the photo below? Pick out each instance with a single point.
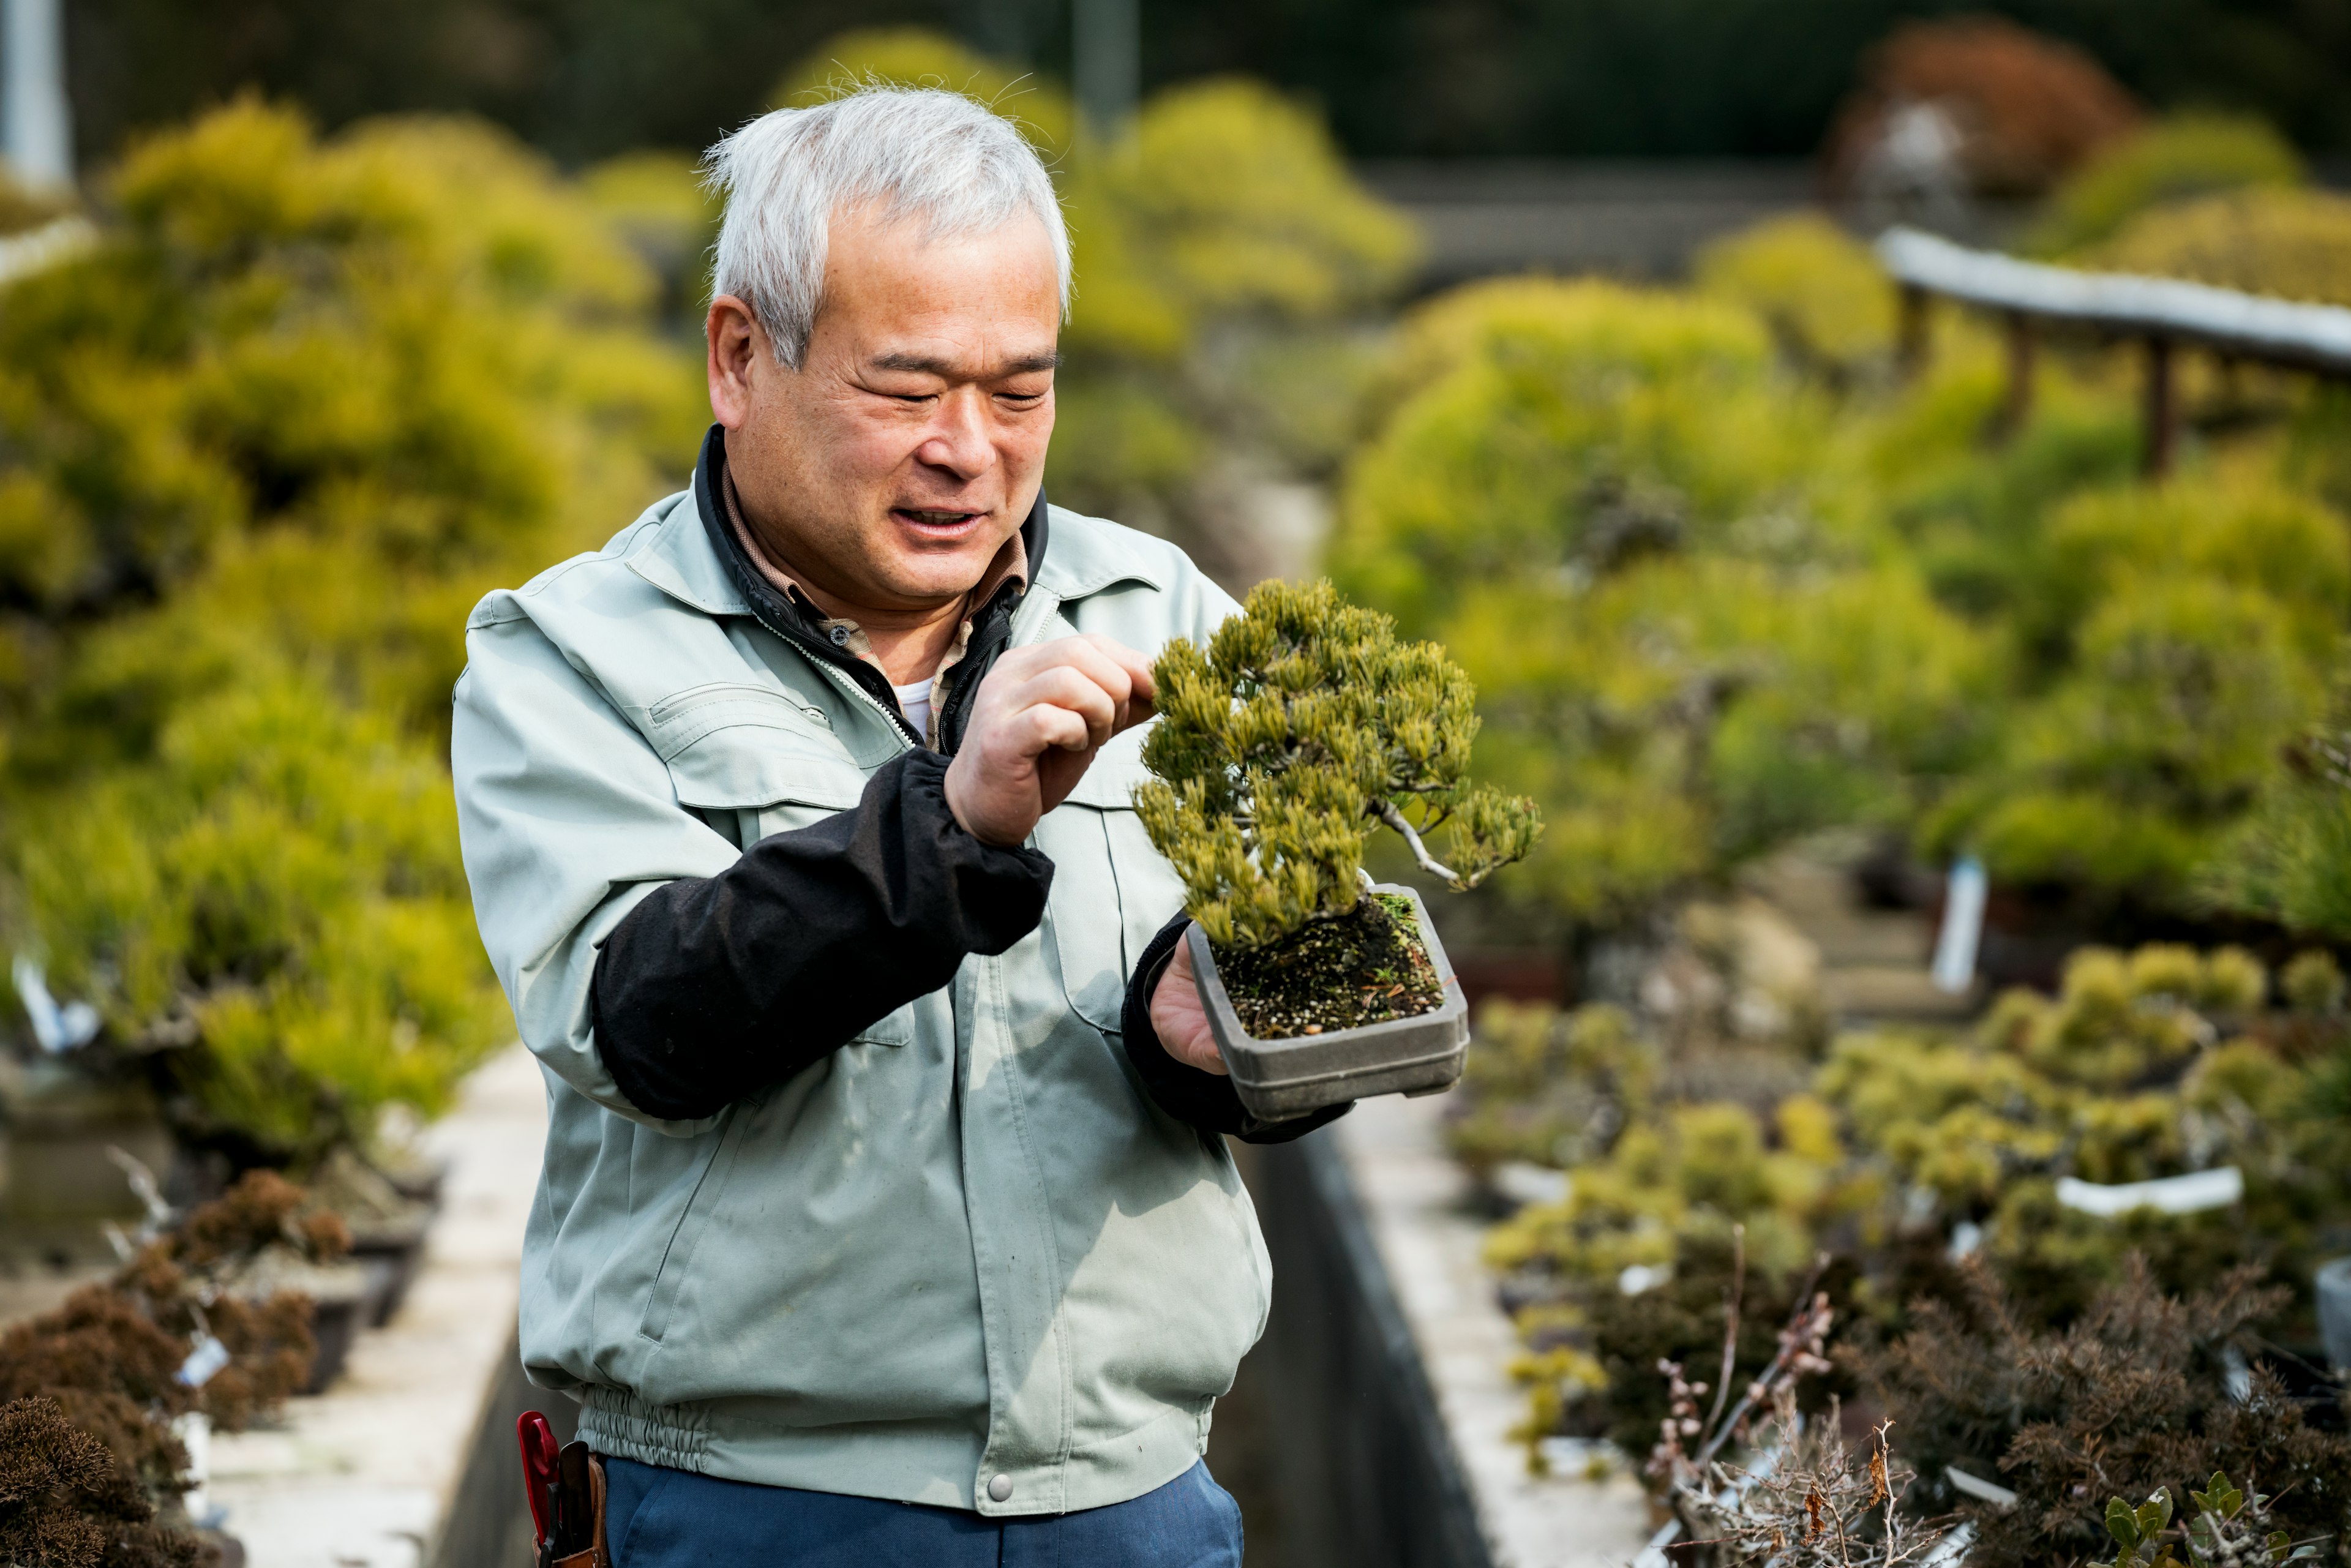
(1010, 563)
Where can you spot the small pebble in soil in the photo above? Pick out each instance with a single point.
(1365, 966)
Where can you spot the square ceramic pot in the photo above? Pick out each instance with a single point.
(1282, 1078)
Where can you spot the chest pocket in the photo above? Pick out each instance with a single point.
(769, 762)
(1112, 891)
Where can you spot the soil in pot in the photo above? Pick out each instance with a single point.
(1366, 967)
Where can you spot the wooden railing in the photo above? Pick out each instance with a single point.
(2163, 315)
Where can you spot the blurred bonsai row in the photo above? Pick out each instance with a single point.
(1970, 1200)
(1725, 578)
(260, 448)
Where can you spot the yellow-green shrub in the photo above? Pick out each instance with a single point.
(1611, 506)
(259, 450)
(2173, 160)
(2295, 244)
(1827, 302)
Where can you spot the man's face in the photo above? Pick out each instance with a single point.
(889, 469)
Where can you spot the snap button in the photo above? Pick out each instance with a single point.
(841, 637)
(999, 1488)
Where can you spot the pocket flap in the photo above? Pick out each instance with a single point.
(743, 769)
(1109, 780)
(1109, 784)
(891, 1029)
(732, 746)
(682, 718)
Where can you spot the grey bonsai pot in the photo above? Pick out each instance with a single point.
(1282, 1078)
(2335, 1310)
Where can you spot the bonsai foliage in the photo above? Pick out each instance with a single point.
(2289, 860)
(1721, 582)
(1301, 728)
(2172, 161)
(347, 385)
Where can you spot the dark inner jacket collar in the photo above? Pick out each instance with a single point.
(771, 607)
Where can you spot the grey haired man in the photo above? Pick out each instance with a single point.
(886, 1215)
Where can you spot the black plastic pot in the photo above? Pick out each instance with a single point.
(1282, 1078)
(344, 1299)
(2333, 1283)
(395, 1250)
(335, 1324)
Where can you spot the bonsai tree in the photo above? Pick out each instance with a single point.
(1303, 728)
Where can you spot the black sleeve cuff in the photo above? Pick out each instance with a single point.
(1205, 1099)
(714, 987)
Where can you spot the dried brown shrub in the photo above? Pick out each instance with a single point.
(2028, 109)
(2132, 1396)
(263, 1209)
(68, 1501)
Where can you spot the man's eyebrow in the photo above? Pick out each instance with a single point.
(923, 365)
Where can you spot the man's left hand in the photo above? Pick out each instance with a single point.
(1181, 1021)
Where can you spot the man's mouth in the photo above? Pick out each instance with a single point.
(937, 520)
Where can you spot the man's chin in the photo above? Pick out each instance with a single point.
(931, 577)
(919, 566)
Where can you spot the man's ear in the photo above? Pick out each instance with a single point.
(740, 353)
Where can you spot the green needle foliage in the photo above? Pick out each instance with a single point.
(1304, 726)
(260, 447)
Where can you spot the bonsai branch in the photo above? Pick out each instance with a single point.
(1387, 813)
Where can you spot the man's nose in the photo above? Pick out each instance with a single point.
(959, 439)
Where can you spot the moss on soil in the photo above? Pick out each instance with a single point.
(1366, 967)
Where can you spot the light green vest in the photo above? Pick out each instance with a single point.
(964, 1246)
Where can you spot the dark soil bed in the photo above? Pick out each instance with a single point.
(1367, 967)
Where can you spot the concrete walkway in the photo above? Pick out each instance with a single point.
(1414, 1197)
(366, 1475)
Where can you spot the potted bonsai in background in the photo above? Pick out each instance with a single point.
(1302, 729)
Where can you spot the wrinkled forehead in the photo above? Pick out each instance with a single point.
(911, 295)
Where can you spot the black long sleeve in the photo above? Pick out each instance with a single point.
(715, 987)
(1206, 1099)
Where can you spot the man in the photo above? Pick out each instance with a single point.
(884, 1164)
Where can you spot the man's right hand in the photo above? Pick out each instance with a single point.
(1035, 723)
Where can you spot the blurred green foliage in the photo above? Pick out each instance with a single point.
(260, 452)
(2289, 859)
(1903, 1154)
(2292, 243)
(1692, 637)
(2172, 160)
(1823, 296)
(1723, 578)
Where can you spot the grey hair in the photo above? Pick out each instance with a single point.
(921, 153)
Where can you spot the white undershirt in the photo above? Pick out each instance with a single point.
(914, 702)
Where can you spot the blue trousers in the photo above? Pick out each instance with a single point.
(659, 1518)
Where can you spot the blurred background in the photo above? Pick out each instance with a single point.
(1871, 653)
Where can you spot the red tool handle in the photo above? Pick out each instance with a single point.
(538, 1470)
